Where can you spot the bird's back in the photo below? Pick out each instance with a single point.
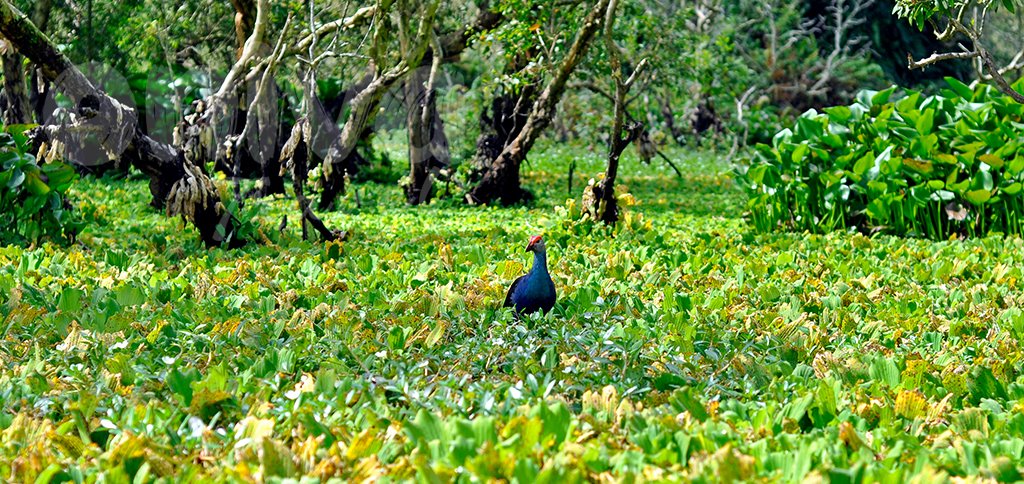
(530, 293)
(510, 297)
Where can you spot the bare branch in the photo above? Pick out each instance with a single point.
(936, 57)
(361, 16)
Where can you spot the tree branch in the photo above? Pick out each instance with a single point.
(936, 57)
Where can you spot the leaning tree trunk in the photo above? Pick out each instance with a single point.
(342, 155)
(428, 145)
(502, 123)
(501, 181)
(189, 192)
(296, 154)
(364, 105)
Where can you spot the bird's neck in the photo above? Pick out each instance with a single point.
(540, 262)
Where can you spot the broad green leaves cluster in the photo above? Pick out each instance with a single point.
(683, 348)
(33, 204)
(896, 162)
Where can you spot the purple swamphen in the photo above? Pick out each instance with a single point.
(534, 291)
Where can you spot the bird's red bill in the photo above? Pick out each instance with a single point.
(533, 240)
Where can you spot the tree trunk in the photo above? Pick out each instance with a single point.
(502, 122)
(501, 181)
(245, 22)
(258, 155)
(364, 104)
(270, 160)
(19, 105)
(428, 145)
(188, 192)
(342, 156)
(16, 97)
(39, 88)
(606, 207)
(297, 153)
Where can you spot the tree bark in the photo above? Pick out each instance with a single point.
(15, 94)
(257, 156)
(187, 191)
(428, 145)
(245, 21)
(38, 87)
(502, 121)
(297, 153)
(342, 156)
(501, 181)
(364, 104)
(606, 207)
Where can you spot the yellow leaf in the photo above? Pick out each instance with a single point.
(911, 404)
(849, 436)
(361, 446)
(255, 428)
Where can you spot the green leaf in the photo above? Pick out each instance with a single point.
(882, 97)
(978, 197)
(70, 300)
(982, 180)
(17, 132)
(60, 175)
(961, 89)
(991, 160)
(129, 295)
(826, 398)
(983, 384)
(885, 370)
(839, 114)
(926, 122)
(799, 153)
(181, 383)
(557, 421)
(920, 166)
(35, 184)
(17, 178)
(683, 399)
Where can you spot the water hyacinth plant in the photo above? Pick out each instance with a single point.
(896, 162)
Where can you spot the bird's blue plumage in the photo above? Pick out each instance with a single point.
(535, 291)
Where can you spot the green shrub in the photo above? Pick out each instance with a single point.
(32, 195)
(896, 162)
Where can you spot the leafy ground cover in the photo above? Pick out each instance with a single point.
(684, 346)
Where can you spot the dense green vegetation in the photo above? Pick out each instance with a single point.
(32, 194)
(897, 162)
(271, 241)
(683, 347)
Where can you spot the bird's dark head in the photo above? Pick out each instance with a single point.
(536, 244)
